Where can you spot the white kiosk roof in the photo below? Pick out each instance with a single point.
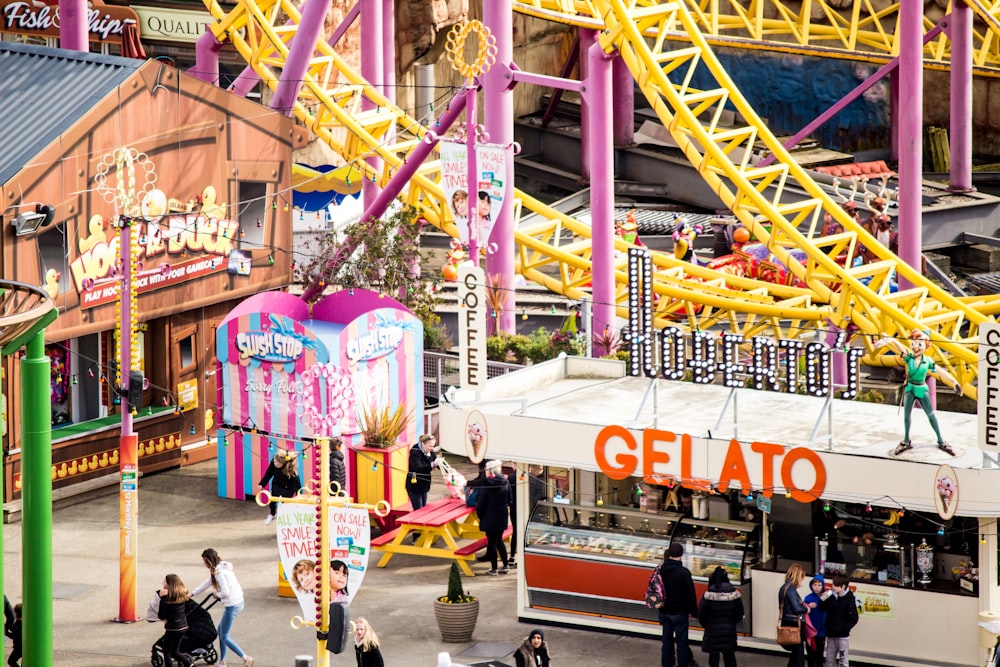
(553, 414)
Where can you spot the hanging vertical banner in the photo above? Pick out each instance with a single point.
(345, 567)
(989, 387)
(489, 190)
(472, 326)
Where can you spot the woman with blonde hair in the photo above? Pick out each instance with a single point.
(366, 648)
(792, 610)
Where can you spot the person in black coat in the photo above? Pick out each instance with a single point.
(338, 471)
(492, 508)
(680, 604)
(533, 652)
(173, 613)
(14, 631)
(284, 479)
(720, 611)
(418, 472)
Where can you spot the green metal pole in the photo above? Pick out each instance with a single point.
(36, 496)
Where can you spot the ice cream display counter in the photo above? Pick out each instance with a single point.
(597, 560)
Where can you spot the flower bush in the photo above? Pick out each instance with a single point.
(455, 593)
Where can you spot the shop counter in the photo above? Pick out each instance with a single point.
(597, 561)
(932, 625)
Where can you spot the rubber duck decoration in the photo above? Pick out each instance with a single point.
(95, 234)
(209, 420)
(685, 232)
(209, 207)
(51, 285)
(628, 229)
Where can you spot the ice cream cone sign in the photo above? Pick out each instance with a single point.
(478, 440)
(946, 492)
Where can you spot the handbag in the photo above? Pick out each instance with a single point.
(788, 635)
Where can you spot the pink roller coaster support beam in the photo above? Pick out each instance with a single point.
(586, 38)
(498, 99)
(389, 49)
(598, 92)
(73, 25)
(624, 104)
(415, 159)
(299, 55)
(373, 71)
(961, 98)
(910, 133)
(206, 59)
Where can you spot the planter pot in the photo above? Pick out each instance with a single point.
(456, 621)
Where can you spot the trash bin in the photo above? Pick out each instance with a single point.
(988, 636)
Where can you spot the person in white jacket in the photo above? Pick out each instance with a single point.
(226, 588)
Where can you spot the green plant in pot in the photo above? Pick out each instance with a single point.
(381, 426)
(457, 612)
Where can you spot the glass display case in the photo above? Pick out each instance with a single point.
(597, 560)
(731, 545)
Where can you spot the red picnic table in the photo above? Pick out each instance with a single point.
(445, 528)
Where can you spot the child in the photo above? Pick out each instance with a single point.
(816, 647)
(366, 648)
(841, 615)
(173, 612)
(304, 576)
(338, 581)
(14, 632)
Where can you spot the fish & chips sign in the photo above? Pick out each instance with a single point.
(41, 18)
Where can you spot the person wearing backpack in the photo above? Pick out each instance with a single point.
(680, 604)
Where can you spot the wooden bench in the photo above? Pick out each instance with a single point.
(471, 548)
(385, 538)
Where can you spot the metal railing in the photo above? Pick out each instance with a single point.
(441, 372)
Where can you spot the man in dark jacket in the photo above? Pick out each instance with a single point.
(679, 604)
(492, 507)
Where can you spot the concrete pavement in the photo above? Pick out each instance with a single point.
(180, 514)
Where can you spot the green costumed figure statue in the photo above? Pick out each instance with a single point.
(918, 367)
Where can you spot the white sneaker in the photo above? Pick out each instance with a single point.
(268, 520)
(247, 661)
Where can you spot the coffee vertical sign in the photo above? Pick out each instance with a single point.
(472, 326)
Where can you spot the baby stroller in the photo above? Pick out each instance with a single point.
(199, 640)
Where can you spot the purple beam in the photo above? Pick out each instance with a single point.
(301, 52)
(894, 102)
(206, 59)
(623, 101)
(859, 90)
(547, 81)
(372, 71)
(598, 92)
(472, 175)
(389, 49)
(586, 39)
(572, 58)
(403, 175)
(961, 98)
(498, 100)
(73, 25)
(910, 132)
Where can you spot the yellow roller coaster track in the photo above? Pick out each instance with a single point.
(864, 30)
(696, 297)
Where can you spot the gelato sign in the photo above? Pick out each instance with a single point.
(41, 18)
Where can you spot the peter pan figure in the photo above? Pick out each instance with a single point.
(918, 367)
